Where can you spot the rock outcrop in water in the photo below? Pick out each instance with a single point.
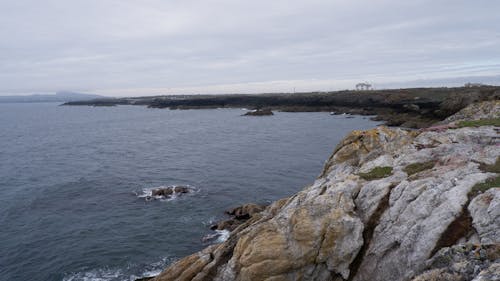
(168, 192)
(239, 215)
(390, 204)
(259, 112)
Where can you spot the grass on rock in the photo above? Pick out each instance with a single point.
(482, 187)
(418, 167)
(489, 183)
(479, 123)
(376, 173)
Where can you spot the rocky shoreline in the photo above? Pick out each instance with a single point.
(411, 108)
(390, 204)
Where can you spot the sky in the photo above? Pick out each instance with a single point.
(150, 47)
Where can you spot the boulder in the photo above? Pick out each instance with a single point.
(245, 211)
(238, 215)
(169, 191)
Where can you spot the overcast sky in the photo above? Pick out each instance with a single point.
(126, 47)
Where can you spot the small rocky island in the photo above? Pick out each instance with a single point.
(390, 204)
(259, 112)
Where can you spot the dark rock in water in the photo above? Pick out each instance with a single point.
(245, 211)
(166, 192)
(259, 112)
(181, 189)
(230, 225)
(169, 191)
(239, 215)
(145, 278)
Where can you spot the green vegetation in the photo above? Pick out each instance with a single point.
(482, 187)
(479, 123)
(376, 173)
(489, 183)
(418, 167)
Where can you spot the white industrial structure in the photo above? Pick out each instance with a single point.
(364, 86)
(470, 85)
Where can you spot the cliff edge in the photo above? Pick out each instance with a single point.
(390, 204)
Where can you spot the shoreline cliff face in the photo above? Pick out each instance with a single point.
(390, 204)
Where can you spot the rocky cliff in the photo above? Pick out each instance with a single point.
(390, 204)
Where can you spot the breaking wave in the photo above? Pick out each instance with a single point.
(129, 273)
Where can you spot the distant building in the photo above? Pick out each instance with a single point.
(470, 85)
(363, 86)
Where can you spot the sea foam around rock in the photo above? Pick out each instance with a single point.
(147, 193)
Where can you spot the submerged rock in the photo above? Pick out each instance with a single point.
(427, 225)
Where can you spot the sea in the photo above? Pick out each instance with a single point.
(75, 180)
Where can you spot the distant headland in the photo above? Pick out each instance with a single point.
(412, 107)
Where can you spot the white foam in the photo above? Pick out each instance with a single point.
(223, 235)
(147, 193)
(96, 275)
(130, 272)
(150, 273)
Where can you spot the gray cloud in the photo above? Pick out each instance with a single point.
(125, 47)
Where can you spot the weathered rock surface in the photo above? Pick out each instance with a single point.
(485, 213)
(398, 227)
(464, 262)
(483, 110)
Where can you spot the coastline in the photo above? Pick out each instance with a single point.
(412, 108)
(390, 204)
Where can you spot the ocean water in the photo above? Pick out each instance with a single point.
(73, 180)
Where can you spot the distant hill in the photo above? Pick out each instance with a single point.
(58, 97)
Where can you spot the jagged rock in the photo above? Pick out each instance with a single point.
(229, 224)
(463, 262)
(394, 228)
(485, 213)
(245, 211)
(421, 211)
(360, 146)
(239, 215)
(482, 110)
(490, 273)
(169, 191)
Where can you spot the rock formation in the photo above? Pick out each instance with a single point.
(259, 112)
(433, 213)
(239, 215)
(167, 192)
